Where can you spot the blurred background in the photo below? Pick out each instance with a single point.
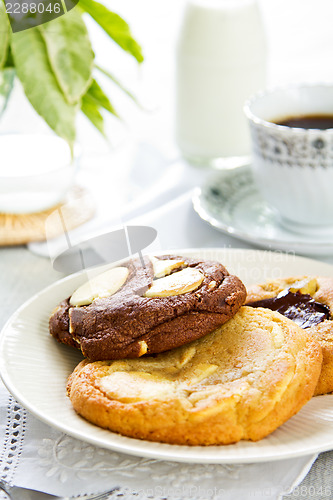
(140, 147)
(300, 40)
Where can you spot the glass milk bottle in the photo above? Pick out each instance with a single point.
(221, 61)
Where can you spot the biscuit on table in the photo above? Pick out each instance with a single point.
(317, 322)
(241, 381)
(145, 308)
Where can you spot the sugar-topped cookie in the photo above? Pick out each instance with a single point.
(241, 381)
(307, 300)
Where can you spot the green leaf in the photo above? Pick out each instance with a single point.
(9, 63)
(96, 95)
(90, 109)
(7, 77)
(70, 54)
(40, 85)
(5, 32)
(118, 83)
(114, 26)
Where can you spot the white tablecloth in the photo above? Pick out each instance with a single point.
(47, 460)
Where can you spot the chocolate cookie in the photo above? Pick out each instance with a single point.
(147, 307)
(241, 381)
(308, 301)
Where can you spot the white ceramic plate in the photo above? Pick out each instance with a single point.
(230, 201)
(34, 367)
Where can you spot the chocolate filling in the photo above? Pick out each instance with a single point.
(301, 308)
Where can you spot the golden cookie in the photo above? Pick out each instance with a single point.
(241, 381)
(292, 297)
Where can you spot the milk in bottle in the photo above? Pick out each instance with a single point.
(221, 61)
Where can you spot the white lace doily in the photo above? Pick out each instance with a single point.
(33, 455)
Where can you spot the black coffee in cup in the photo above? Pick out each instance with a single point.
(318, 122)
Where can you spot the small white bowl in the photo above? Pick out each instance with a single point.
(36, 171)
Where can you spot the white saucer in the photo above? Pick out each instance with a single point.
(230, 201)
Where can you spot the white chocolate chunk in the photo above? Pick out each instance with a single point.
(198, 373)
(70, 329)
(213, 399)
(185, 357)
(131, 387)
(307, 286)
(277, 336)
(101, 286)
(164, 267)
(212, 285)
(179, 283)
(143, 347)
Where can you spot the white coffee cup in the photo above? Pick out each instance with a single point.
(293, 166)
